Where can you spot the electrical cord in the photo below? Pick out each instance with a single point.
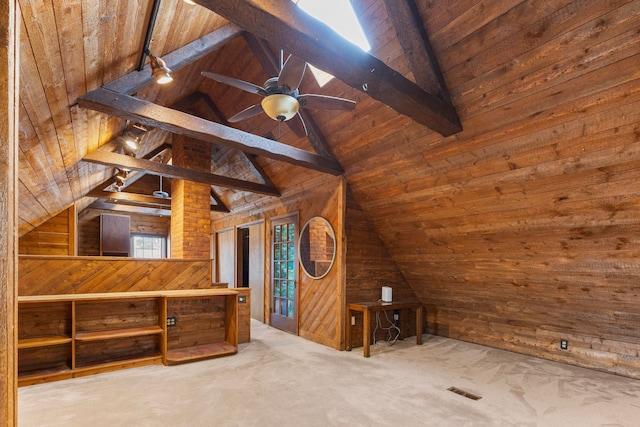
(392, 329)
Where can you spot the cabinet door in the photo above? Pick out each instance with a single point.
(114, 235)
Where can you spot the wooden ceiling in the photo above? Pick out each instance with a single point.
(523, 76)
(95, 67)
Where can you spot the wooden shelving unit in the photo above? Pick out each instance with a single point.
(42, 341)
(203, 351)
(205, 327)
(65, 336)
(45, 343)
(118, 333)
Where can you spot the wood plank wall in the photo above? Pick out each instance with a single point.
(321, 305)
(51, 238)
(369, 267)
(89, 228)
(43, 275)
(521, 230)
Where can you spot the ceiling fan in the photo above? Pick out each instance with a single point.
(282, 99)
(160, 193)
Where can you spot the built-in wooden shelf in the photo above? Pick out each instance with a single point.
(199, 352)
(65, 336)
(59, 370)
(43, 341)
(117, 333)
(46, 375)
(117, 364)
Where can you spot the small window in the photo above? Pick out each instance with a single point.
(148, 246)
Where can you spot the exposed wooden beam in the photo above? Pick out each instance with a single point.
(270, 64)
(219, 206)
(154, 115)
(101, 204)
(109, 201)
(256, 168)
(415, 43)
(252, 161)
(287, 26)
(130, 198)
(269, 61)
(218, 117)
(156, 168)
(132, 177)
(180, 58)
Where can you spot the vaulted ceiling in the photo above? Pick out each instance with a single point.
(519, 74)
(100, 66)
(515, 72)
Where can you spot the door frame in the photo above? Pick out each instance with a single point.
(261, 240)
(279, 322)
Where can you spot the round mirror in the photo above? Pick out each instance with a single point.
(317, 248)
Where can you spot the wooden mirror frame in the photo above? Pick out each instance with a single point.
(309, 265)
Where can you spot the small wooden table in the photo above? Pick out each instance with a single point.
(366, 308)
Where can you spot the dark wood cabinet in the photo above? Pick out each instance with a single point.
(115, 237)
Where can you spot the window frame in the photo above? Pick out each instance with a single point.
(163, 245)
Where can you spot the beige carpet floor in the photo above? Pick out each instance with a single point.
(282, 380)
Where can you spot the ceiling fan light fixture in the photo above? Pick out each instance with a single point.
(280, 107)
(160, 71)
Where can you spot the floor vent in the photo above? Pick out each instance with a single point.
(464, 393)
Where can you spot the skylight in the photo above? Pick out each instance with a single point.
(339, 15)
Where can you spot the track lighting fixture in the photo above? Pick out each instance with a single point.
(159, 69)
(120, 179)
(130, 138)
(130, 141)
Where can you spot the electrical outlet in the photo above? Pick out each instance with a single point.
(353, 320)
(564, 344)
(396, 316)
(171, 321)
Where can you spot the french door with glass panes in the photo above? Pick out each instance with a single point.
(284, 276)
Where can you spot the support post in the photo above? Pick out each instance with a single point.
(8, 211)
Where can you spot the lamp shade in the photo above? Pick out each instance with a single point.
(280, 107)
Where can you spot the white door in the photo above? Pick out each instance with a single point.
(225, 257)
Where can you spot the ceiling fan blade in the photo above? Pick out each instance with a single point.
(292, 72)
(254, 110)
(324, 102)
(296, 124)
(240, 84)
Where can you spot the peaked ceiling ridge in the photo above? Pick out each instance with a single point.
(285, 25)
